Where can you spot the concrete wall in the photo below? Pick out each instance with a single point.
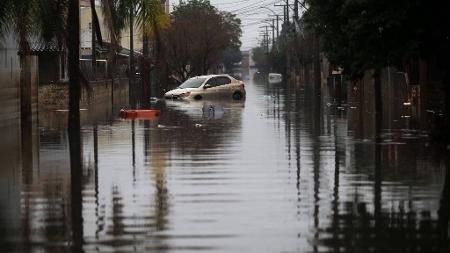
(100, 103)
(105, 92)
(16, 97)
(9, 82)
(18, 139)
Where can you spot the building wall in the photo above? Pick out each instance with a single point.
(100, 103)
(86, 30)
(16, 137)
(9, 82)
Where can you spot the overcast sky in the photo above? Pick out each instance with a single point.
(252, 14)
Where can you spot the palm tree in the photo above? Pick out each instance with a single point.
(126, 10)
(151, 20)
(22, 13)
(149, 17)
(4, 7)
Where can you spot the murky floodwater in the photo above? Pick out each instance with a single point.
(277, 172)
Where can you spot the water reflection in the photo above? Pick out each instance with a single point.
(282, 171)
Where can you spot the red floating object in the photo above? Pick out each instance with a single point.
(139, 114)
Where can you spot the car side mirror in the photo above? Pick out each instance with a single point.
(206, 86)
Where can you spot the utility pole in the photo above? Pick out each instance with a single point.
(295, 11)
(285, 13)
(266, 42)
(287, 10)
(278, 30)
(278, 26)
(93, 44)
(273, 34)
(272, 26)
(286, 37)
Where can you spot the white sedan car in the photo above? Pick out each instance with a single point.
(210, 86)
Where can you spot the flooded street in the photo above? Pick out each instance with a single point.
(276, 172)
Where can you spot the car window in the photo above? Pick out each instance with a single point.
(222, 80)
(192, 83)
(212, 82)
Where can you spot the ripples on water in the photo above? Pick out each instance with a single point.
(277, 172)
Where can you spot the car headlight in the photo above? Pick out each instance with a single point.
(185, 95)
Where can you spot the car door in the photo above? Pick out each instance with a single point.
(224, 86)
(210, 88)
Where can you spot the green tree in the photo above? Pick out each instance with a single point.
(371, 34)
(4, 7)
(260, 57)
(232, 54)
(194, 43)
(230, 57)
(152, 21)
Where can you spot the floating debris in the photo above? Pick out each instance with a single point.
(168, 127)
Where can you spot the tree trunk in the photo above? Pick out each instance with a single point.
(132, 69)
(317, 74)
(446, 85)
(73, 43)
(25, 78)
(444, 208)
(145, 71)
(160, 61)
(378, 105)
(25, 88)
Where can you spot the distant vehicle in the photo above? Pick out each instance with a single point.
(237, 75)
(275, 78)
(210, 86)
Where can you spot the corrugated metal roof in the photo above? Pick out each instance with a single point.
(41, 46)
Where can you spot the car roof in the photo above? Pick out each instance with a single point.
(216, 75)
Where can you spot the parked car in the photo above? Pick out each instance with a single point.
(275, 78)
(210, 86)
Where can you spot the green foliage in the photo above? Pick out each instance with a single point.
(259, 56)
(23, 13)
(51, 19)
(4, 6)
(150, 16)
(365, 34)
(34, 19)
(199, 36)
(232, 27)
(4, 15)
(230, 57)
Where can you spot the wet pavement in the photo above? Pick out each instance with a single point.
(281, 171)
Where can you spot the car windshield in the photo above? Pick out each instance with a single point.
(192, 83)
